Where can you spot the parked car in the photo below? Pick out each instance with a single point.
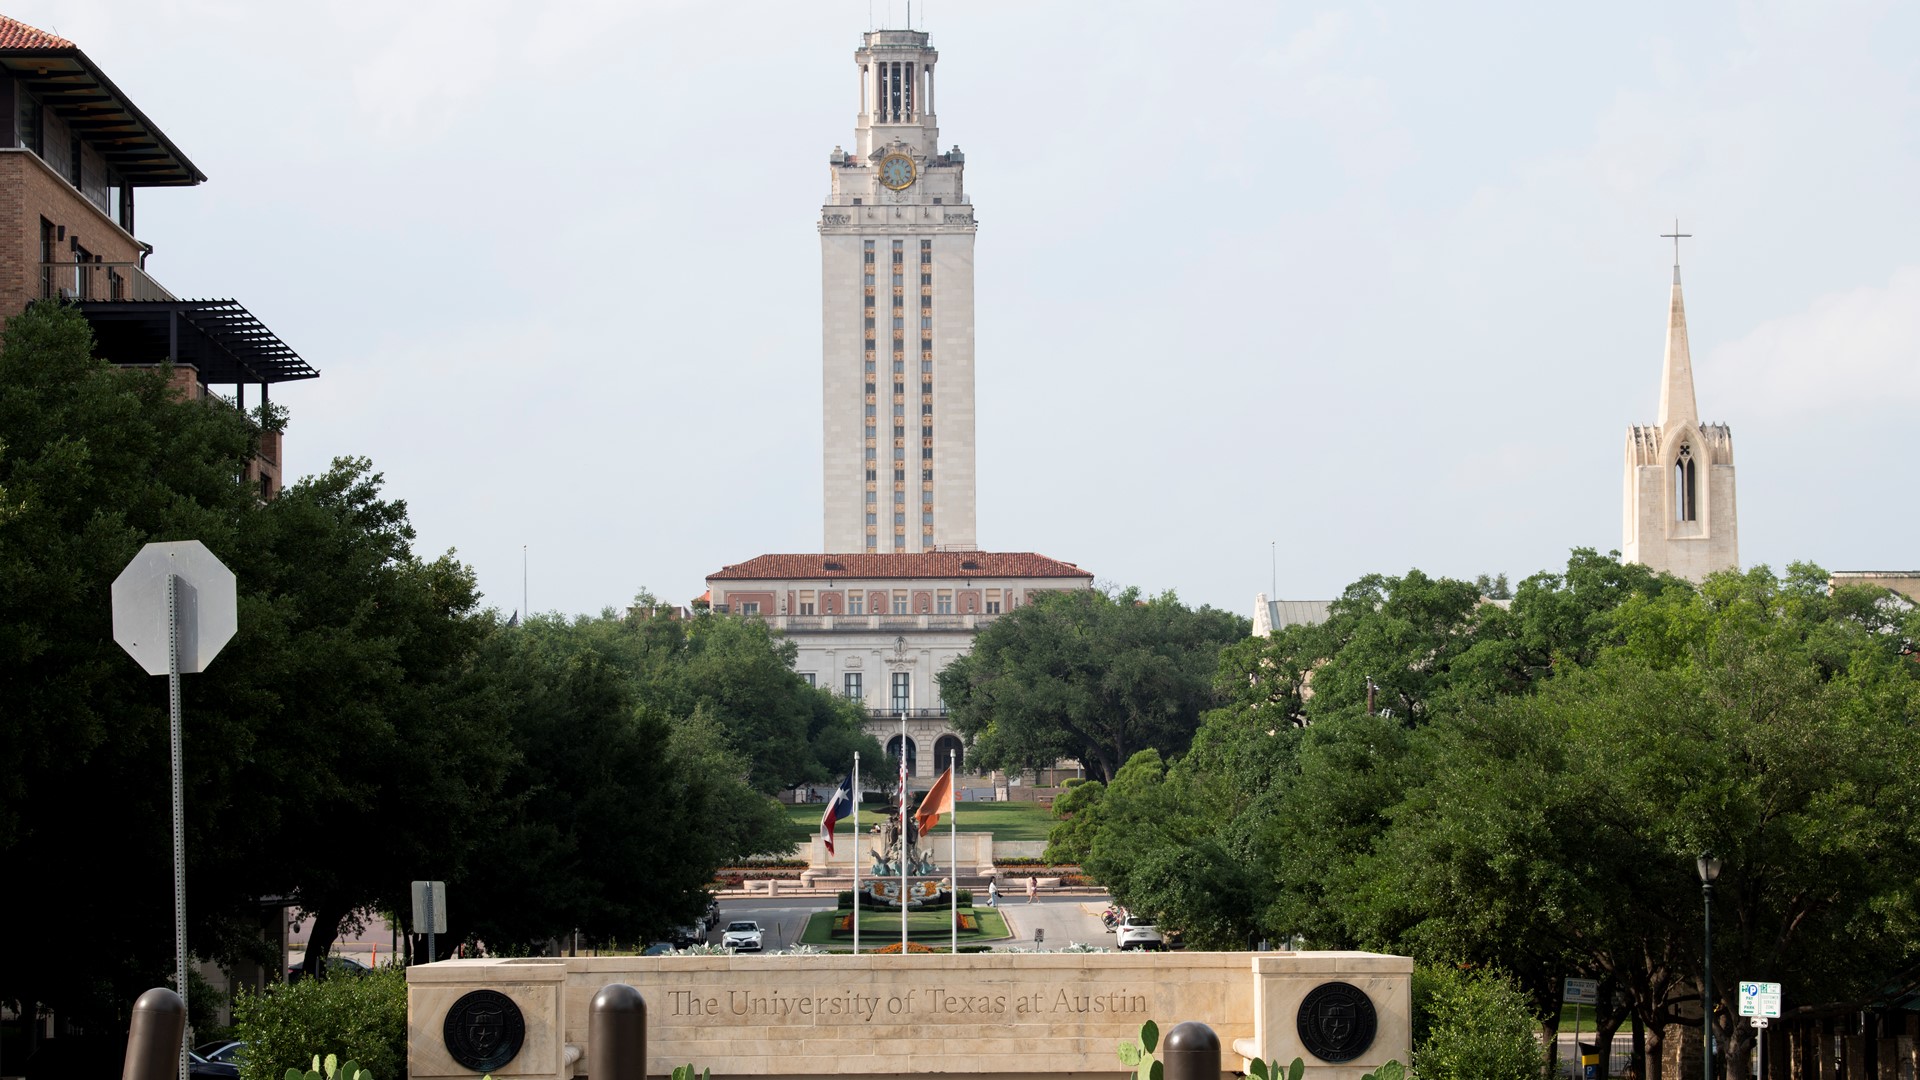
(219, 1058)
(683, 936)
(659, 948)
(742, 935)
(336, 967)
(1139, 932)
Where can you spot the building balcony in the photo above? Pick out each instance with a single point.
(890, 712)
(138, 321)
(96, 280)
(815, 624)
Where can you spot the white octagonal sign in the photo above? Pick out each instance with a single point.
(206, 610)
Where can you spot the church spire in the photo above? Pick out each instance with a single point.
(1676, 373)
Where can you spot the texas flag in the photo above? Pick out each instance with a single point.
(838, 804)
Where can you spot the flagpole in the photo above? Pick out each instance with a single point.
(905, 843)
(953, 834)
(857, 841)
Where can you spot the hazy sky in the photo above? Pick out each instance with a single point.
(1380, 283)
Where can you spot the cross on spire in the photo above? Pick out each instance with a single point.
(1676, 236)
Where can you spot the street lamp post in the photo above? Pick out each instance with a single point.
(1709, 868)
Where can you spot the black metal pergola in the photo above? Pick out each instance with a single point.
(224, 341)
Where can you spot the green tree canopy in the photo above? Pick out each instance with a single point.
(1088, 675)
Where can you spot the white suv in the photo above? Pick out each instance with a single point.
(1136, 932)
(743, 936)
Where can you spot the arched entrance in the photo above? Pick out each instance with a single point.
(948, 750)
(913, 756)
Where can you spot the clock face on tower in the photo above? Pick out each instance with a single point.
(896, 171)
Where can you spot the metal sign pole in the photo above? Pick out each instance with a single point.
(432, 922)
(179, 813)
(182, 585)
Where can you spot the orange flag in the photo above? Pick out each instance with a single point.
(938, 800)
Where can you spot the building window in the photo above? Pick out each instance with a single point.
(857, 602)
(900, 602)
(749, 607)
(943, 601)
(1683, 506)
(851, 685)
(806, 602)
(902, 691)
(993, 601)
(807, 675)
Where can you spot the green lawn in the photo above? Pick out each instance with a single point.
(1005, 820)
(926, 927)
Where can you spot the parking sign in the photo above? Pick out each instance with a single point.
(1760, 999)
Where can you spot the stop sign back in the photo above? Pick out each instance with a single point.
(206, 608)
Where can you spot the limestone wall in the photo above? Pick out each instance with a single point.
(990, 1014)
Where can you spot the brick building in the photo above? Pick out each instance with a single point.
(879, 628)
(74, 150)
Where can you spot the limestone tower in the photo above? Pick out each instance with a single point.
(896, 266)
(1680, 511)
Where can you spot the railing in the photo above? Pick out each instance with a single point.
(98, 280)
(891, 713)
(878, 622)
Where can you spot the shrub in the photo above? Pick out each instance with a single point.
(363, 1019)
(1472, 1024)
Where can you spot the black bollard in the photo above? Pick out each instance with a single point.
(1191, 1051)
(617, 1034)
(153, 1040)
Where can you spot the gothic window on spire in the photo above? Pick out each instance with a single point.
(1683, 487)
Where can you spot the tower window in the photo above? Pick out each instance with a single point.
(1684, 508)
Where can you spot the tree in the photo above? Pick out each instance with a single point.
(1087, 675)
(97, 462)
(616, 811)
(1761, 719)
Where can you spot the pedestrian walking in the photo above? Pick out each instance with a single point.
(993, 893)
(1033, 887)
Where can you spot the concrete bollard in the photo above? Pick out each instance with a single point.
(1191, 1051)
(153, 1040)
(617, 1034)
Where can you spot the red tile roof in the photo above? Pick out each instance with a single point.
(929, 564)
(15, 34)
